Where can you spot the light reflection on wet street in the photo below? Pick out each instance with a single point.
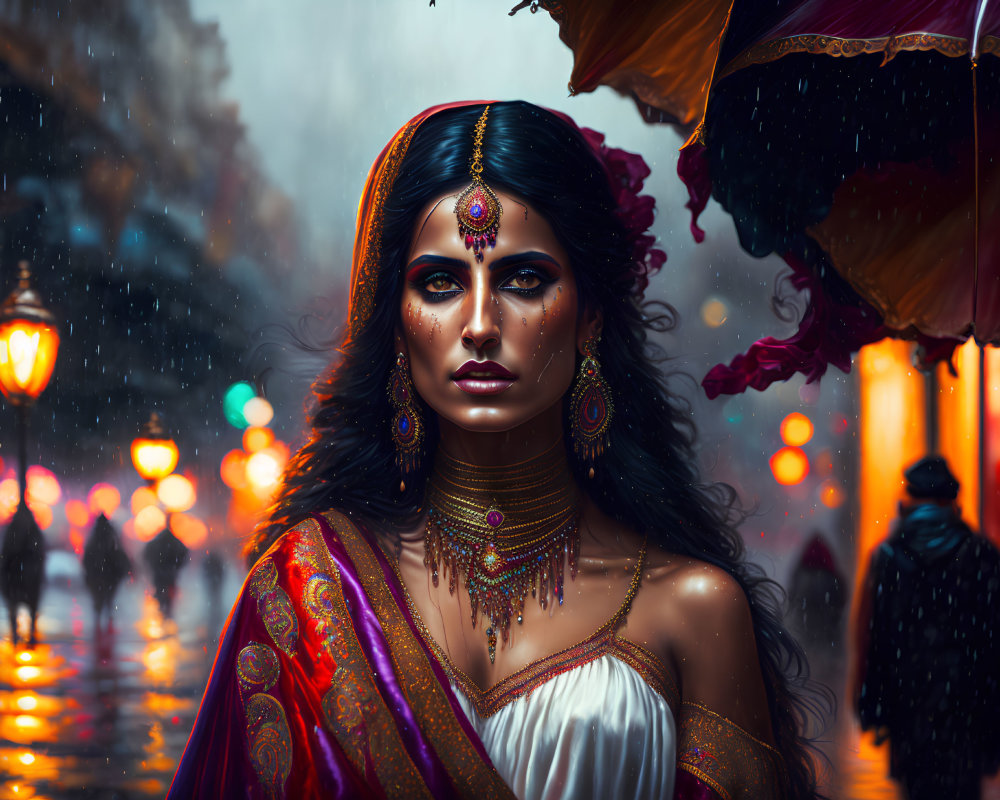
(86, 716)
(106, 715)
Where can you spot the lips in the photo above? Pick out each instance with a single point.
(483, 378)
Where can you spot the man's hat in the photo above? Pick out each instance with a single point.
(931, 478)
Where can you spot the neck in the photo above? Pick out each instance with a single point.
(503, 448)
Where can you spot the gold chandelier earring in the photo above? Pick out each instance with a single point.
(591, 407)
(407, 425)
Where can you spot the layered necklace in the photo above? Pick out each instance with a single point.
(508, 530)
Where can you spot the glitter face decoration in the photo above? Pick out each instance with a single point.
(478, 209)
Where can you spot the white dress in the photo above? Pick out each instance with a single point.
(592, 721)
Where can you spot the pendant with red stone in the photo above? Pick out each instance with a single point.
(478, 210)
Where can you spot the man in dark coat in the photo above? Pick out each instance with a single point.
(928, 645)
(105, 565)
(22, 568)
(165, 555)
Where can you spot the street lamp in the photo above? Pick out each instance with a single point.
(29, 343)
(154, 453)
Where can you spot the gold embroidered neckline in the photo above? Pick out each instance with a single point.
(526, 679)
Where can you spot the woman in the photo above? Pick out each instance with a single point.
(499, 576)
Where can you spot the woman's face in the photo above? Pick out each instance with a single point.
(492, 344)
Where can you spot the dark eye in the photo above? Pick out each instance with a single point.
(526, 281)
(439, 283)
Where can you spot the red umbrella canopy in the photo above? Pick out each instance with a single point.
(859, 141)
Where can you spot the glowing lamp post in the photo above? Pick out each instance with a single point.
(154, 453)
(29, 342)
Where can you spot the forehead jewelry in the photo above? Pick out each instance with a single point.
(478, 209)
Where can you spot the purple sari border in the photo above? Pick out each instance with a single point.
(392, 582)
(372, 640)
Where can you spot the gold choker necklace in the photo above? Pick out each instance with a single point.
(508, 530)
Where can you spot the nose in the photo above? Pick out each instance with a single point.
(482, 324)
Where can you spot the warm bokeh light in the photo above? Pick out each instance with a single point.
(258, 412)
(154, 458)
(27, 356)
(103, 498)
(26, 758)
(714, 312)
(77, 513)
(148, 522)
(831, 494)
(790, 466)
(796, 429)
(43, 486)
(236, 397)
(142, 497)
(42, 514)
(958, 418)
(189, 529)
(255, 438)
(25, 656)
(263, 471)
(27, 673)
(27, 722)
(27, 702)
(10, 493)
(233, 470)
(176, 493)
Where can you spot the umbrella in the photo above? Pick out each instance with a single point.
(859, 142)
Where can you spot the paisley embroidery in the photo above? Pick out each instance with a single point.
(318, 599)
(270, 742)
(257, 668)
(274, 606)
(346, 707)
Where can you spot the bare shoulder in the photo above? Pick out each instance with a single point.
(700, 616)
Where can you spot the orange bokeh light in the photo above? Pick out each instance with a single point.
(790, 466)
(43, 486)
(77, 513)
(154, 458)
(176, 493)
(104, 499)
(42, 514)
(148, 522)
(10, 492)
(831, 494)
(234, 469)
(189, 529)
(256, 438)
(27, 357)
(142, 497)
(796, 429)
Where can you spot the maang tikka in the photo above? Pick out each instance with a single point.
(478, 209)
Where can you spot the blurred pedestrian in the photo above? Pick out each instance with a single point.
(928, 649)
(165, 555)
(105, 566)
(22, 568)
(817, 595)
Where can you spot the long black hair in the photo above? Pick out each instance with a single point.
(647, 479)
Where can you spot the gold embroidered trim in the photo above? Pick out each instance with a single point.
(270, 742)
(817, 44)
(274, 606)
(525, 680)
(354, 710)
(364, 280)
(736, 764)
(990, 45)
(415, 674)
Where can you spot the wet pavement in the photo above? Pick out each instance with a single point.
(86, 716)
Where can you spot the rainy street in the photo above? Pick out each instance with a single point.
(105, 717)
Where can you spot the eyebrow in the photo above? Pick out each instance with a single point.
(500, 263)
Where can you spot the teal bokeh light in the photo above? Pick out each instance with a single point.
(236, 397)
